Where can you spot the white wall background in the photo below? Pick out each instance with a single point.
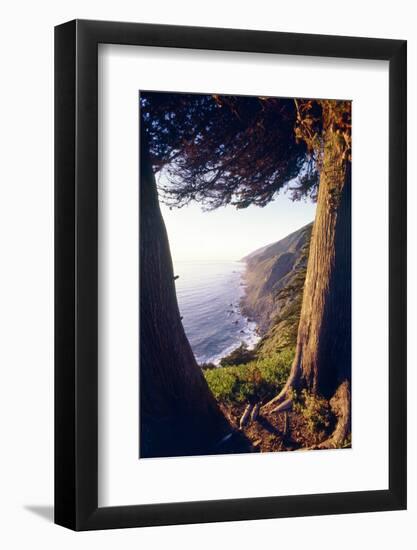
(26, 273)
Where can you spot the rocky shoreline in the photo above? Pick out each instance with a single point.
(273, 283)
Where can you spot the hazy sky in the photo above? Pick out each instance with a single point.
(230, 234)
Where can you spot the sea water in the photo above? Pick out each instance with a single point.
(209, 295)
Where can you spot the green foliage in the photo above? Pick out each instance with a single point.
(347, 443)
(208, 366)
(239, 356)
(222, 149)
(251, 382)
(315, 409)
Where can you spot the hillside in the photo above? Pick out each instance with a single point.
(274, 290)
(274, 278)
(274, 281)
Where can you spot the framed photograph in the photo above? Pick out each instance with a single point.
(230, 252)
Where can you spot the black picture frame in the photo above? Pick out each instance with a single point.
(76, 272)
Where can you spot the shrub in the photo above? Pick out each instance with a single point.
(239, 356)
(315, 409)
(257, 380)
(208, 366)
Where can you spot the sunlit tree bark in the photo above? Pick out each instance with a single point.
(322, 362)
(235, 150)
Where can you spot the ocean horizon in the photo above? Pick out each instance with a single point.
(209, 295)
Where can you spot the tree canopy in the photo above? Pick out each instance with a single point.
(239, 150)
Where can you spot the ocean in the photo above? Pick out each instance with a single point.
(208, 296)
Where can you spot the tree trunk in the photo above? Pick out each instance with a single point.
(322, 362)
(178, 414)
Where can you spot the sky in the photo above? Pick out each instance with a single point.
(230, 234)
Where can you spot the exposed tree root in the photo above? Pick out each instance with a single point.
(255, 412)
(283, 406)
(245, 417)
(340, 405)
(279, 403)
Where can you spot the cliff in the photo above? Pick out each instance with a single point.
(274, 282)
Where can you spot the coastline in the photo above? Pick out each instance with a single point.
(209, 296)
(250, 332)
(247, 311)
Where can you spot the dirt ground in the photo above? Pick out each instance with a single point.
(267, 433)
